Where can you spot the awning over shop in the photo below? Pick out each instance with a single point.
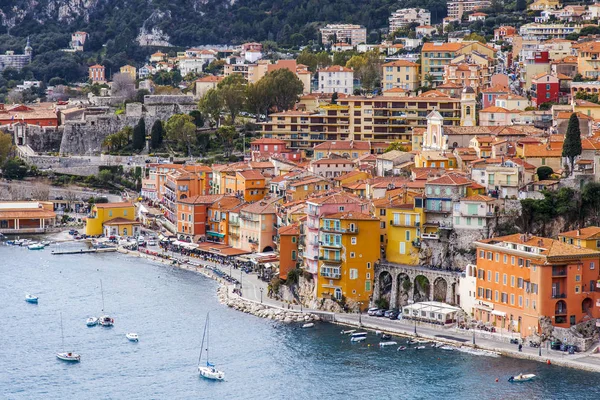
(499, 313)
(216, 234)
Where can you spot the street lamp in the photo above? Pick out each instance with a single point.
(300, 304)
(261, 292)
(411, 302)
(230, 271)
(473, 336)
(241, 277)
(360, 303)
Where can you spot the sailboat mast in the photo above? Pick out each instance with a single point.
(207, 336)
(202, 344)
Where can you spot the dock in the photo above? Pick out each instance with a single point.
(81, 251)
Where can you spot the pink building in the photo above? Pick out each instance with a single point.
(320, 206)
(262, 149)
(258, 226)
(331, 167)
(490, 94)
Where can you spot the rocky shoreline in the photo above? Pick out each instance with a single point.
(263, 311)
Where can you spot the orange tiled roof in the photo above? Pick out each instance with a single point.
(477, 197)
(551, 247)
(590, 232)
(114, 205)
(352, 216)
(400, 63)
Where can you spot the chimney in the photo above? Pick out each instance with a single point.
(540, 242)
(578, 232)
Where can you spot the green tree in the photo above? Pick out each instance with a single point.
(258, 98)
(6, 147)
(475, 37)
(139, 135)
(226, 136)
(232, 91)
(180, 128)
(334, 98)
(211, 105)
(284, 87)
(14, 168)
(544, 172)
(572, 143)
(105, 176)
(521, 5)
(591, 202)
(198, 118)
(156, 134)
(395, 146)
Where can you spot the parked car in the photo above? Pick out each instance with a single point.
(394, 314)
(151, 242)
(388, 313)
(372, 311)
(380, 313)
(555, 345)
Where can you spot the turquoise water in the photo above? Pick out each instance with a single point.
(261, 359)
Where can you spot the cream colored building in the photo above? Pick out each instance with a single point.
(400, 74)
(129, 70)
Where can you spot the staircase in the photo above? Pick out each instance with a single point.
(25, 151)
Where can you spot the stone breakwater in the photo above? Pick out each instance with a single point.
(263, 311)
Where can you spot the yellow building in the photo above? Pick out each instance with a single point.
(404, 232)
(585, 237)
(588, 60)
(541, 5)
(351, 177)
(112, 219)
(347, 254)
(587, 108)
(303, 188)
(129, 70)
(400, 74)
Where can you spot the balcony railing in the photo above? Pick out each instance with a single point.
(560, 311)
(430, 236)
(331, 259)
(559, 296)
(559, 272)
(331, 244)
(234, 222)
(331, 275)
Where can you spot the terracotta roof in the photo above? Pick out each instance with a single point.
(261, 164)
(210, 78)
(477, 197)
(26, 213)
(511, 97)
(400, 63)
(551, 247)
(226, 203)
(540, 150)
(114, 205)
(336, 198)
(121, 221)
(430, 46)
(496, 89)
(293, 229)
(332, 161)
(206, 199)
(336, 68)
(352, 216)
(494, 109)
(590, 232)
(343, 145)
(307, 181)
(588, 47)
(251, 174)
(567, 115)
(450, 179)
(347, 175)
(265, 206)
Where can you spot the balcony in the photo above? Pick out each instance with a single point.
(234, 235)
(559, 272)
(559, 296)
(403, 224)
(249, 217)
(331, 245)
(253, 241)
(331, 259)
(333, 274)
(430, 236)
(235, 222)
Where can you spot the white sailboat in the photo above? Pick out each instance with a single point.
(64, 355)
(105, 319)
(208, 371)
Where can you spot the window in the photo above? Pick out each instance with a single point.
(526, 303)
(520, 283)
(293, 239)
(504, 279)
(352, 255)
(577, 289)
(110, 213)
(504, 298)
(382, 212)
(489, 276)
(480, 274)
(520, 301)
(367, 286)
(512, 299)
(368, 265)
(353, 273)
(496, 296)
(512, 281)
(353, 240)
(577, 278)
(480, 292)
(341, 208)
(407, 235)
(505, 259)
(512, 260)
(402, 248)
(382, 224)
(294, 255)
(125, 212)
(481, 254)
(592, 265)
(489, 255)
(183, 216)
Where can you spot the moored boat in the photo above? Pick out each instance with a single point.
(208, 371)
(35, 246)
(73, 357)
(106, 320)
(348, 332)
(385, 336)
(359, 334)
(446, 347)
(385, 344)
(31, 298)
(133, 337)
(420, 347)
(521, 378)
(91, 321)
(401, 348)
(308, 325)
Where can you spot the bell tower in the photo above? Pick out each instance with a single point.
(434, 135)
(468, 107)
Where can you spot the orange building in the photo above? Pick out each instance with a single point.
(218, 219)
(258, 226)
(248, 184)
(192, 216)
(182, 184)
(96, 74)
(41, 114)
(287, 241)
(522, 278)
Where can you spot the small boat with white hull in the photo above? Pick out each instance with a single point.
(208, 371)
(521, 378)
(91, 321)
(106, 320)
(31, 299)
(133, 337)
(66, 355)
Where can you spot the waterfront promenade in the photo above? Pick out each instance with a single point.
(251, 292)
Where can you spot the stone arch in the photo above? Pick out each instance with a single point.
(183, 196)
(267, 249)
(586, 305)
(385, 287)
(404, 286)
(560, 308)
(422, 289)
(440, 289)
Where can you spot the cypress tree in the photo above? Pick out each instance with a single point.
(139, 135)
(572, 144)
(156, 136)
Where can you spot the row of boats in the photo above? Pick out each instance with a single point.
(30, 244)
(420, 344)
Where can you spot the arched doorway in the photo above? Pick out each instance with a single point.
(404, 286)
(385, 289)
(267, 249)
(440, 289)
(422, 289)
(560, 312)
(124, 231)
(586, 305)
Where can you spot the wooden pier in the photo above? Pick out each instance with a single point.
(81, 251)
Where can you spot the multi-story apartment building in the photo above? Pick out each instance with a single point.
(183, 183)
(130, 71)
(405, 231)
(548, 31)
(588, 237)
(588, 59)
(96, 73)
(233, 234)
(336, 79)
(456, 8)
(465, 74)
(317, 208)
(288, 238)
(347, 255)
(247, 184)
(342, 148)
(258, 226)
(353, 34)
(191, 217)
(217, 226)
(400, 74)
(473, 212)
(406, 16)
(371, 118)
(441, 195)
(523, 278)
